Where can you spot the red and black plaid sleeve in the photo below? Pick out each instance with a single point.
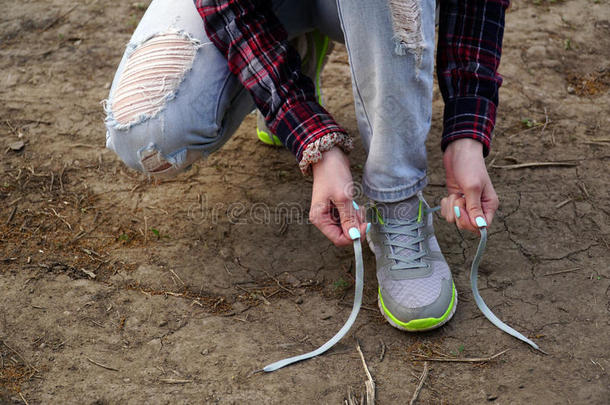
(469, 49)
(256, 46)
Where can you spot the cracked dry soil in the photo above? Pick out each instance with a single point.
(116, 289)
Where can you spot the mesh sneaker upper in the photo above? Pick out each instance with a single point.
(413, 275)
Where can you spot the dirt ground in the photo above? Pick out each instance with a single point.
(118, 289)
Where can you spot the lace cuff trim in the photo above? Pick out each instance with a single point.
(313, 151)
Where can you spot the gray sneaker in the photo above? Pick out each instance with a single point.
(416, 291)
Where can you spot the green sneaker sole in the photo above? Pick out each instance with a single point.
(419, 325)
(267, 138)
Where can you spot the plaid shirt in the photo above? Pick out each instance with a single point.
(255, 43)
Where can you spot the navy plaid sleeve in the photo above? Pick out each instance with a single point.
(469, 49)
(256, 46)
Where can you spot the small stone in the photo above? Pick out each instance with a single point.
(491, 397)
(162, 324)
(298, 301)
(16, 146)
(325, 317)
(571, 90)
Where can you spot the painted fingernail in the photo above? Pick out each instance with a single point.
(480, 222)
(356, 207)
(368, 227)
(457, 211)
(354, 233)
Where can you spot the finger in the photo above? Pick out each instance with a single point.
(323, 216)
(474, 209)
(360, 212)
(349, 219)
(448, 208)
(335, 234)
(445, 207)
(490, 203)
(365, 227)
(463, 219)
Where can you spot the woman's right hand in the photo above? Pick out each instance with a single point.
(332, 210)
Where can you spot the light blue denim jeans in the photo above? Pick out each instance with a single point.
(188, 104)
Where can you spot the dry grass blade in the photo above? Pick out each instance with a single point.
(565, 202)
(562, 271)
(102, 365)
(11, 215)
(534, 164)
(23, 399)
(460, 360)
(422, 379)
(173, 381)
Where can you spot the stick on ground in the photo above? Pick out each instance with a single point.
(173, 381)
(422, 379)
(102, 365)
(461, 360)
(534, 164)
(370, 383)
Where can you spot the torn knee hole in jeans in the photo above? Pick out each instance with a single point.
(151, 76)
(407, 27)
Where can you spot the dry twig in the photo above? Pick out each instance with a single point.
(383, 348)
(11, 215)
(562, 271)
(561, 204)
(174, 381)
(277, 282)
(23, 399)
(461, 360)
(102, 365)
(370, 383)
(534, 164)
(422, 379)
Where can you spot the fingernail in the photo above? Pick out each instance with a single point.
(480, 222)
(457, 211)
(368, 227)
(354, 233)
(355, 205)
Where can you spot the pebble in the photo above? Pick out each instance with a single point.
(16, 146)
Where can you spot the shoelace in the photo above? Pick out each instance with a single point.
(358, 302)
(474, 270)
(409, 228)
(346, 327)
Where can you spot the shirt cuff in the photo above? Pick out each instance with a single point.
(469, 117)
(313, 151)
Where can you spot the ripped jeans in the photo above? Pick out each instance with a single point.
(173, 99)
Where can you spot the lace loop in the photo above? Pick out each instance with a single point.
(406, 253)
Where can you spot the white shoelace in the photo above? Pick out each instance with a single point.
(358, 302)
